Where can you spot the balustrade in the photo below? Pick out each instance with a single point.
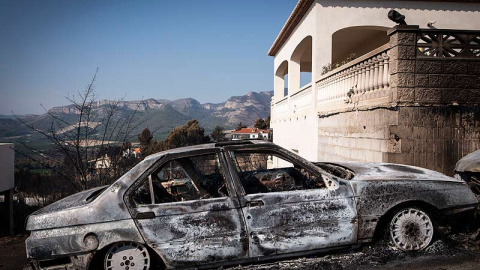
(364, 78)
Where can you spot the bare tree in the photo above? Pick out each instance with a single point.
(86, 151)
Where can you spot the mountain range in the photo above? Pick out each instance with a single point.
(159, 115)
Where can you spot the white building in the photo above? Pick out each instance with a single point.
(250, 133)
(311, 102)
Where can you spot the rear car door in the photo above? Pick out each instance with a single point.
(288, 206)
(184, 210)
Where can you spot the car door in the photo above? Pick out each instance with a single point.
(287, 205)
(184, 210)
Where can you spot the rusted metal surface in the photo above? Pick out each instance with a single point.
(342, 210)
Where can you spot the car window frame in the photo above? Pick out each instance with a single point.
(280, 152)
(172, 156)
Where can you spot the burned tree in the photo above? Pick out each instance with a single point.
(86, 149)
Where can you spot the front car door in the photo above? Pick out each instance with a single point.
(288, 206)
(185, 210)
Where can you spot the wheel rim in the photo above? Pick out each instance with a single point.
(127, 256)
(411, 229)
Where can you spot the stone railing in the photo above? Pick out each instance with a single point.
(281, 106)
(294, 102)
(362, 81)
(301, 99)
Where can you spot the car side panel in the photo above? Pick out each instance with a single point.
(375, 198)
(46, 244)
(301, 220)
(195, 232)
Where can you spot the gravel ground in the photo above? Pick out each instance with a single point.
(12, 253)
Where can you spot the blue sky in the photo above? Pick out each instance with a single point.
(208, 50)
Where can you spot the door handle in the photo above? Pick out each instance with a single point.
(145, 215)
(255, 203)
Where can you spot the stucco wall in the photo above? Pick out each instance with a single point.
(297, 132)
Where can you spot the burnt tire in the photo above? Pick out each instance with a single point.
(128, 256)
(411, 229)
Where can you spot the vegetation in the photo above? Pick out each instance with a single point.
(262, 123)
(76, 146)
(240, 126)
(218, 135)
(186, 135)
(329, 67)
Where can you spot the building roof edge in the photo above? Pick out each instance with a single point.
(292, 21)
(301, 9)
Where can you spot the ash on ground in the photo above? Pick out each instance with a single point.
(452, 252)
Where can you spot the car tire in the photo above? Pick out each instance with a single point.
(411, 229)
(128, 256)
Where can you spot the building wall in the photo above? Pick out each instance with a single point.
(435, 137)
(300, 129)
(430, 137)
(433, 119)
(356, 136)
(446, 15)
(296, 129)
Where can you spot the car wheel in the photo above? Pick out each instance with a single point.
(411, 229)
(127, 256)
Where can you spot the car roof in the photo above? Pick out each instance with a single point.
(208, 146)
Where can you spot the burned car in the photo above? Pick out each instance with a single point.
(468, 169)
(237, 202)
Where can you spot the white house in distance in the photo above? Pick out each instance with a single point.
(250, 133)
(403, 96)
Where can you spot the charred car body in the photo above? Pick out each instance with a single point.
(468, 169)
(216, 204)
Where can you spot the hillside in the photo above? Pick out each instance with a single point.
(159, 115)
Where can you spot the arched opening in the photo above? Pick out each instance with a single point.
(281, 81)
(352, 42)
(301, 64)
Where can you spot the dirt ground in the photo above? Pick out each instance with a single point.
(12, 253)
(459, 252)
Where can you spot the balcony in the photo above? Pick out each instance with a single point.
(359, 83)
(418, 67)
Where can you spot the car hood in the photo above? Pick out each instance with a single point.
(389, 171)
(469, 163)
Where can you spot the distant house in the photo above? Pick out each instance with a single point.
(100, 163)
(132, 152)
(250, 133)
